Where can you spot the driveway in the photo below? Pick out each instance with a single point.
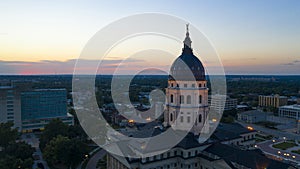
(92, 163)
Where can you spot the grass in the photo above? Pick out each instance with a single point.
(285, 145)
(296, 151)
(259, 140)
(267, 137)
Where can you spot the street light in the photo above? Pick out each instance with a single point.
(293, 157)
(279, 152)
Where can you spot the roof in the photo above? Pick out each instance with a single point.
(187, 67)
(295, 107)
(249, 158)
(227, 131)
(254, 113)
(188, 142)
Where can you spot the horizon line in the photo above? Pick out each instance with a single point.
(143, 74)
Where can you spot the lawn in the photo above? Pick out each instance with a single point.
(296, 151)
(266, 137)
(284, 145)
(257, 140)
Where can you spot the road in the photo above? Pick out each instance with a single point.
(287, 155)
(92, 163)
(277, 133)
(32, 140)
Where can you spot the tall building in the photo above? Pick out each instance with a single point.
(187, 93)
(10, 106)
(272, 101)
(40, 106)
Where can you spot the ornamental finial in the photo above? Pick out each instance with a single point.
(187, 41)
(187, 28)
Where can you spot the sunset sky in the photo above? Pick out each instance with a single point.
(250, 36)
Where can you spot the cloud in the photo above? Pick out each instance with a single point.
(63, 67)
(294, 62)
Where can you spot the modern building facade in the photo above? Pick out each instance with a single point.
(290, 111)
(10, 106)
(30, 109)
(40, 106)
(272, 101)
(220, 102)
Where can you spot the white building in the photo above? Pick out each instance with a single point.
(222, 102)
(187, 92)
(290, 111)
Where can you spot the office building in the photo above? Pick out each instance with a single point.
(10, 106)
(40, 106)
(272, 101)
(222, 102)
(290, 111)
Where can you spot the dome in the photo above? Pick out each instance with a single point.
(187, 67)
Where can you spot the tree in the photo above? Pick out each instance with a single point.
(20, 150)
(72, 152)
(7, 134)
(51, 151)
(11, 162)
(64, 151)
(54, 128)
(13, 154)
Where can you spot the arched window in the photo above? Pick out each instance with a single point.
(200, 118)
(200, 85)
(200, 99)
(181, 99)
(172, 98)
(171, 117)
(188, 99)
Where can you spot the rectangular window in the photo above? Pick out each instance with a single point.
(193, 85)
(9, 102)
(181, 119)
(200, 99)
(181, 99)
(185, 85)
(10, 106)
(188, 119)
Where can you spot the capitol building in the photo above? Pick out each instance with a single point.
(231, 146)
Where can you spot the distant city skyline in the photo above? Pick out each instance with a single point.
(251, 37)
